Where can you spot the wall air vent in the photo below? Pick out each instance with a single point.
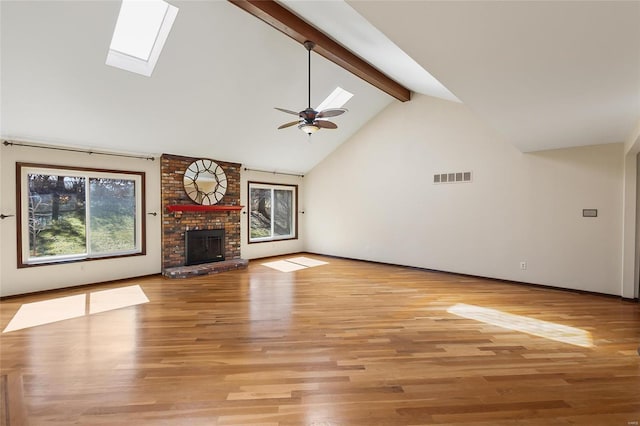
(456, 177)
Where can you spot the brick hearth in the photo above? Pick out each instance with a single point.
(174, 224)
(205, 268)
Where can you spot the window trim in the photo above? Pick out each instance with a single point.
(22, 170)
(294, 214)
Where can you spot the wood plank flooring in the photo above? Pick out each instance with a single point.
(12, 410)
(347, 343)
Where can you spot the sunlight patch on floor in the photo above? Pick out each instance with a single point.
(305, 261)
(47, 311)
(284, 266)
(294, 264)
(544, 329)
(63, 308)
(108, 300)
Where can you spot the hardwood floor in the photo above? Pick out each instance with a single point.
(347, 343)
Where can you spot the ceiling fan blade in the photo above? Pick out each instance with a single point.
(288, 111)
(292, 123)
(331, 112)
(324, 124)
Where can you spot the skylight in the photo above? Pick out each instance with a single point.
(141, 31)
(336, 99)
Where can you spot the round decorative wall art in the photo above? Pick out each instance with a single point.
(205, 182)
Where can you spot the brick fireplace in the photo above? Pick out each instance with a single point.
(176, 223)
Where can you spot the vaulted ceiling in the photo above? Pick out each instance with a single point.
(212, 93)
(544, 74)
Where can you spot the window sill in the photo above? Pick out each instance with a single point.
(67, 261)
(273, 240)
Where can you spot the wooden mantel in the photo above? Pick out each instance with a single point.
(201, 208)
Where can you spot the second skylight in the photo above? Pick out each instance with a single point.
(336, 99)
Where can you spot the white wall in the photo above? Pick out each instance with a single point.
(275, 248)
(373, 198)
(631, 217)
(2, 221)
(38, 278)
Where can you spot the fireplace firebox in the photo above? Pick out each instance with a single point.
(204, 246)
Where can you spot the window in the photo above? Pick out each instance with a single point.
(68, 214)
(272, 212)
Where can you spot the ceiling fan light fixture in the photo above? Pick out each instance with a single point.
(308, 128)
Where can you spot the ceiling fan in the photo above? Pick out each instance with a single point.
(310, 120)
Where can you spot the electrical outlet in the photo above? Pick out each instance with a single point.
(523, 265)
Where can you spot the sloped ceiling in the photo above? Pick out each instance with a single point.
(544, 74)
(212, 93)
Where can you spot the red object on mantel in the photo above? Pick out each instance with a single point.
(200, 208)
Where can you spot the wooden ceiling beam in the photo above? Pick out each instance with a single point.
(290, 24)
